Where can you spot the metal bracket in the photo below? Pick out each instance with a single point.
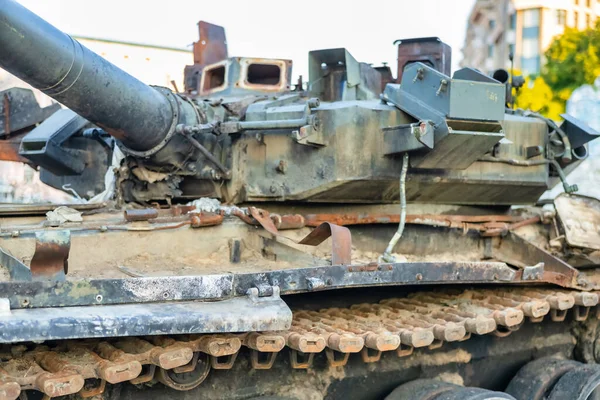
(534, 272)
(533, 151)
(408, 137)
(424, 132)
(262, 290)
(46, 144)
(341, 253)
(264, 219)
(314, 283)
(521, 253)
(341, 241)
(50, 260)
(309, 135)
(375, 275)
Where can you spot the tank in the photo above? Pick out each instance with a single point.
(360, 236)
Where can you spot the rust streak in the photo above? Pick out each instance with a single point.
(423, 219)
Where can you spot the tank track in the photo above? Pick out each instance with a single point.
(401, 325)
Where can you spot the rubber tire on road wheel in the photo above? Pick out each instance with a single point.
(577, 384)
(420, 389)
(271, 398)
(537, 378)
(471, 393)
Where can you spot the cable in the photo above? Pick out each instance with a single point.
(387, 254)
(523, 163)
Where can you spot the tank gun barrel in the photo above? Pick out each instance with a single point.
(134, 113)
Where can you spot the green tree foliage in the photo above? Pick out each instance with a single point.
(572, 60)
(536, 95)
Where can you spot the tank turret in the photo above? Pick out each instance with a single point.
(246, 136)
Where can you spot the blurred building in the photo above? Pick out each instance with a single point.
(20, 183)
(153, 65)
(525, 28)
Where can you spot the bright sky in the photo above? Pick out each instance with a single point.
(268, 28)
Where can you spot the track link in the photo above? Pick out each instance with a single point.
(424, 319)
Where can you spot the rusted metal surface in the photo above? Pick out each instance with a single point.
(264, 219)
(29, 374)
(396, 325)
(164, 356)
(267, 82)
(579, 217)
(431, 51)
(271, 222)
(421, 320)
(487, 225)
(453, 221)
(503, 228)
(50, 260)
(242, 76)
(178, 210)
(143, 214)
(195, 373)
(9, 390)
(9, 149)
(212, 46)
(199, 220)
(341, 241)
(517, 251)
(288, 221)
(156, 221)
(351, 219)
(244, 217)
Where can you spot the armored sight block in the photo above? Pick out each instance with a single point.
(459, 120)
